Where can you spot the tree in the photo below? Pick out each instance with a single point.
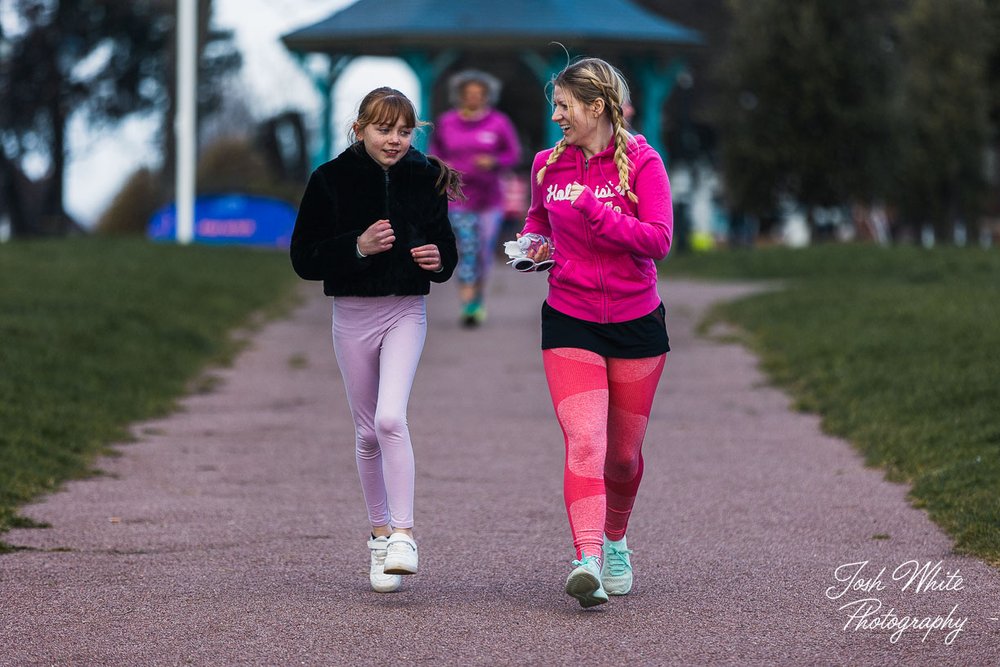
(10, 202)
(944, 106)
(806, 107)
(993, 62)
(88, 56)
(106, 60)
(992, 206)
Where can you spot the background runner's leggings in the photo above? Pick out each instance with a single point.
(378, 341)
(602, 404)
(476, 235)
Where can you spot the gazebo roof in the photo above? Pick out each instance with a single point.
(383, 27)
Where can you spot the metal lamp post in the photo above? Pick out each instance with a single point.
(6, 224)
(186, 120)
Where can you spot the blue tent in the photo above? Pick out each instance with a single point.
(230, 219)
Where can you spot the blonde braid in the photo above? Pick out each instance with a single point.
(556, 152)
(621, 147)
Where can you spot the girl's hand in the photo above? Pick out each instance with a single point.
(575, 190)
(377, 238)
(427, 257)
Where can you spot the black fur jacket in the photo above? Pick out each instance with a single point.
(347, 195)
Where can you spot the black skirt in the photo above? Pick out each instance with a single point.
(635, 339)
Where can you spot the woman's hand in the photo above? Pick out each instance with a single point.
(377, 238)
(485, 161)
(575, 190)
(427, 257)
(542, 253)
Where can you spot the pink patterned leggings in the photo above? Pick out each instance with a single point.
(378, 342)
(603, 406)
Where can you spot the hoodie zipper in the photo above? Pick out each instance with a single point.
(597, 256)
(386, 174)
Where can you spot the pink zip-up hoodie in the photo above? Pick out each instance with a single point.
(606, 246)
(458, 141)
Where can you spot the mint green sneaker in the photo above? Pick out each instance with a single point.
(473, 315)
(584, 582)
(616, 572)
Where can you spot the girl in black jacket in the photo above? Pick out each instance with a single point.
(373, 226)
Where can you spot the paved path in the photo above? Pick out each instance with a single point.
(233, 532)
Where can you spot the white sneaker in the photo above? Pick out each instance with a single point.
(381, 582)
(401, 556)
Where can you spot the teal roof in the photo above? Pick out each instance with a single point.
(386, 26)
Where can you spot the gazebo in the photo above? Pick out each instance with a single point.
(433, 35)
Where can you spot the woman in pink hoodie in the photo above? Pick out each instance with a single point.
(603, 198)
(480, 142)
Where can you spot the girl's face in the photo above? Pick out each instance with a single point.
(578, 122)
(386, 144)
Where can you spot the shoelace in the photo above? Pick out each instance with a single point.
(586, 560)
(617, 560)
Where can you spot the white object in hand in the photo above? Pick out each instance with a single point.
(518, 252)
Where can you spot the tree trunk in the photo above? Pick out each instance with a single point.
(54, 218)
(12, 201)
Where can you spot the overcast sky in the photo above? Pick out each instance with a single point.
(272, 80)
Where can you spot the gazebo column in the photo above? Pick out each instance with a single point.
(545, 71)
(324, 77)
(427, 71)
(656, 83)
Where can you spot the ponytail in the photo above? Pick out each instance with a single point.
(449, 181)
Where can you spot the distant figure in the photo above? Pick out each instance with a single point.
(628, 113)
(480, 142)
(373, 226)
(603, 198)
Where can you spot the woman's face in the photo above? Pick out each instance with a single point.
(578, 122)
(474, 96)
(386, 144)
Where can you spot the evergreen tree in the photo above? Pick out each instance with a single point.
(806, 105)
(992, 204)
(944, 106)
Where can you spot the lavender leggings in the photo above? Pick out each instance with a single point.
(378, 341)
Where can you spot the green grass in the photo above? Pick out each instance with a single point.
(899, 351)
(96, 334)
